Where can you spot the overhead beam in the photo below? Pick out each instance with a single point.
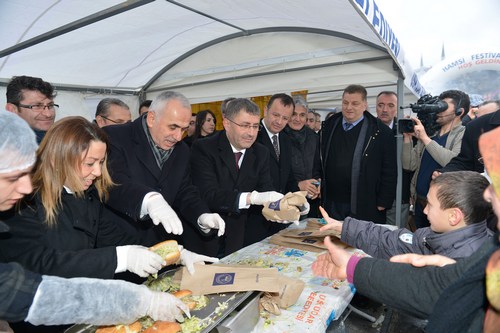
(96, 17)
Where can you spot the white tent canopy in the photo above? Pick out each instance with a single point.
(208, 50)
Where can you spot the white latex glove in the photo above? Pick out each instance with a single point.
(189, 258)
(212, 221)
(166, 307)
(160, 212)
(304, 210)
(260, 198)
(141, 261)
(61, 301)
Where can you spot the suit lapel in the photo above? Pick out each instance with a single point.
(248, 163)
(227, 155)
(143, 150)
(266, 141)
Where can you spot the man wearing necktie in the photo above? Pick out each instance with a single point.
(359, 161)
(232, 173)
(277, 113)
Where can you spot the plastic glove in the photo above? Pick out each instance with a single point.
(304, 210)
(60, 301)
(160, 212)
(261, 198)
(189, 258)
(166, 307)
(212, 221)
(141, 261)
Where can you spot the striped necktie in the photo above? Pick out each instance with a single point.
(275, 145)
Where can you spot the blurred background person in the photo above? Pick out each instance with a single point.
(306, 164)
(144, 107)
(112, 111)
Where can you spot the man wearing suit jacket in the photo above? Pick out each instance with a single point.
(387, 108)
(278, 111)
(232, 173)
(150, 165)
(359, 161)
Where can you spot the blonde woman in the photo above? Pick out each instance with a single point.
(61, 229)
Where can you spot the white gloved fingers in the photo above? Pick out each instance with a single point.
(166, 226)
(274, 196)
(155, 220)
(221, 231)
(221, 224)
(166, 307)
(175, 225)
(201, 259)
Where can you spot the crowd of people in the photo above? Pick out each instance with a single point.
(91, 197)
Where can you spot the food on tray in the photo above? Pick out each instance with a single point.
(193, 302)
(163, 327)
(164, 283)
(194, 325)
(168, 250)
(135, 327)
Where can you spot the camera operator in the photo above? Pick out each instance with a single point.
(435, 151)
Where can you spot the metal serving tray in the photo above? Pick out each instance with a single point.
(213, 313)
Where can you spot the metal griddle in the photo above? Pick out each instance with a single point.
(233, 299)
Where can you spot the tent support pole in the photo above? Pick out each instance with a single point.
(96, 17)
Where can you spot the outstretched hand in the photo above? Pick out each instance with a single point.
(332, 264)
(420, 260)
(332, 224)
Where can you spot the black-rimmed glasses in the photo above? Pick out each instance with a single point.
(39, 107)
(119, 122)
(246, 126)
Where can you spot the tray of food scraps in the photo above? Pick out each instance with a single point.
(208, 312)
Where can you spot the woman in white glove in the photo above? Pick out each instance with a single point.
(60, 229)
(39, 299)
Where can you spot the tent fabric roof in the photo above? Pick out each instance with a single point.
(206, 49)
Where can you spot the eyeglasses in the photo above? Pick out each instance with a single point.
(119, 122)
(246, 126)
(39, 107)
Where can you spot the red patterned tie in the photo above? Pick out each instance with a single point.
(237, 157)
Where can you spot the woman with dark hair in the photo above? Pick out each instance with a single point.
(205, 124)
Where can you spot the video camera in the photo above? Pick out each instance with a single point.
(426, 108)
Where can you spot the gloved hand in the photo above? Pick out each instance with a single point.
(99, 302)
(304, 210)
(189, 258)
(260, 198)
(212, 221)
(141, 261)
(166, 307)
(160, 212)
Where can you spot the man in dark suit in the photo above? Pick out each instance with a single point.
(232, 173)
(277, 113)
(387, 108)
(359, 161)
(150, 165)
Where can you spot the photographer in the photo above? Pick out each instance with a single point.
(433, 151)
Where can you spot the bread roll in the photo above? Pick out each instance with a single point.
(168, 250)
(135, 327)
(164, 327)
